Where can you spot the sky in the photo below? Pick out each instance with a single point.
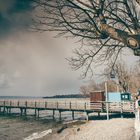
(33, 63)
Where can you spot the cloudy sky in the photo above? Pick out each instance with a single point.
(33, 63)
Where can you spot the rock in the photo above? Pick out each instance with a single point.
(78, 129)
(62, 128)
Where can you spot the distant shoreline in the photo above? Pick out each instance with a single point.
(18, 97)
(68, 96)
(46, 97)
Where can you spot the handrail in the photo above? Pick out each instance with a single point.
(98, 105)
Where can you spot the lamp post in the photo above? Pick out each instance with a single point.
(107, 106)
(112, 76)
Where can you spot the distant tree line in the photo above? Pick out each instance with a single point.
(69, 96)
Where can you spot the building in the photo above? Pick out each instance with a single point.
(97, 96)
(126, 96)
(114, 96)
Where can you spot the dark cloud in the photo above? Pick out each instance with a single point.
(15, 15)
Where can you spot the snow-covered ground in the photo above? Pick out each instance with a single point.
(114, 129)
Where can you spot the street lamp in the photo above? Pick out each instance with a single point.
(112, 76)
(107, 106)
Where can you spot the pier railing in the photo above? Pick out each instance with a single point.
(43, 105)
(100, 106)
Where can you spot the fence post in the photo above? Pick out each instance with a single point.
(38, 113)
(56, 105)
(18, 103)
(25, 103)
(85, 106)
(4, 107)
(35, 109)
(134, 109)
(70, 105)
(87, 117)
(53, 114)
(10, 103)
(45, 104)
(35, 104)
(65, 104)
(73, 115)
(60, 115)
(121, 109)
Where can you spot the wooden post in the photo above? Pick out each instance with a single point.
(21, 111)
(56, 105)
(10, 110)
(98, 114)
(45, 104)
(25, 103)
(18, 103)
(10, 103)
(4, 107)
(35, 112)
(121, 109)
(38, 113)
(53, 114)
(25, 111)
(85, 106)
(73, 115)
(35, 109)
(87, 117)
(7, 110)
(65, 104)
(60, 115)
(70, 105)
(35, 104)
(102, 104)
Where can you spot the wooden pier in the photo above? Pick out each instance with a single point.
(100, 107)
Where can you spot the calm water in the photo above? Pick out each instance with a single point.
(40, 99)
(47, 113)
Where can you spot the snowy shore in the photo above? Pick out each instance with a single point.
(114, 129)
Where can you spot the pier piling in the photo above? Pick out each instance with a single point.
(38, 113)
(53, 114)
(87, 117)
(73, 115)
(60, 115)
(21, 111)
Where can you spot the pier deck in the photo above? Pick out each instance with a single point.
(106, 107)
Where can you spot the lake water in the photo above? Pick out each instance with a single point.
(67, 115)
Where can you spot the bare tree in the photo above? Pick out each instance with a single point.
(105, 27)
(123, 75)
(83, 90)
(91, 86)
(135, 80)
(94, 86)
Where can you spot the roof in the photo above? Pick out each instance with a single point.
(96, 91)
(114, 92)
